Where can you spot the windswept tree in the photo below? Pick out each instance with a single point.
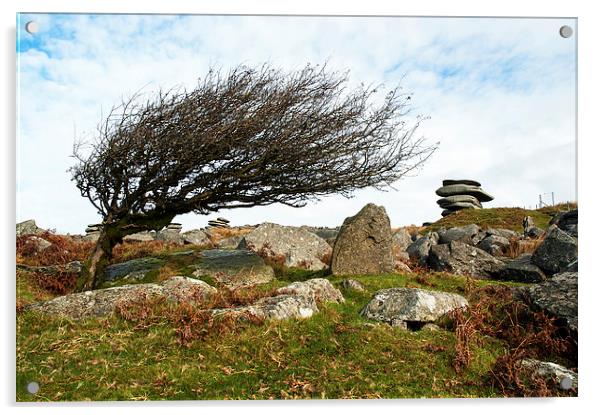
(251, 137)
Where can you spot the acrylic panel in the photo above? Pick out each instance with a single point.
(295, 207)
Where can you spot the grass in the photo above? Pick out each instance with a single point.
(333, 354)
(507, 218)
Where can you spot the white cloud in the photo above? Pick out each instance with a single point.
(500, 94)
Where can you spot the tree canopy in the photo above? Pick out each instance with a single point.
(249, 137)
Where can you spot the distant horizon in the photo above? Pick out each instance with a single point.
(499, 95)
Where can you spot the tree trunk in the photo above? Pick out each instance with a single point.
(92, 274)
(93, 271)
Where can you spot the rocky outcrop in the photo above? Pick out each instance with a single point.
(319, 288)
(219, 223)
(567, 221)
(558, 297)
(280, 307)
(364, 243)
(464, 189)
(171, 233)
(28, 227)
(299, 248)
(463, 259)
(403, 307)
(93, 232)
(322, 231)
(504, 233)
(469, 234)
(231, 242)
(420, 248)
(402, 239)
(494, 245)
(461, 194)
(233, 268)
(99, 303)
(37, 244)
(556, 252)
(196, 237)
(134, 270)
(141, 237)
(522, 269)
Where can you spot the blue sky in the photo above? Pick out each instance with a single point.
(499, 95)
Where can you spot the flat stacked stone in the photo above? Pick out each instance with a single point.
(219, 223)
(461, 194)
(93, 231)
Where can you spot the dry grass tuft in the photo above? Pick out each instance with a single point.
(496, 312)
(64, 249)
(523, 246)
(133, 250)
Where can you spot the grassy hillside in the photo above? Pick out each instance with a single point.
(150, 354)
(334, 354)
(507, 218)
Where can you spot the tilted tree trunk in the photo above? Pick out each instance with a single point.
(93, 272)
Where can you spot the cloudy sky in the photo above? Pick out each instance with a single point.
(499, 94)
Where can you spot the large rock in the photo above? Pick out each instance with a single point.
(469, 234)
(231, 242)
(522, 269)
(196, 237)
(402, 239)
(451, 200)
(323, 232)
(494, 245)
(454, 207)
(146, 236)
(504, 233)
(280, 307)
(556, 252)
(400, 306)
(37, 244)
(298, 247)
(170, 235)
(364, 243)
(460, 258)
(319, 288)
(449, 182)
(133, 270)
(102, 302)
(464, 189)
(558, 297)
(420, 248)
(28, 227)
(567, 221)
(233, 268)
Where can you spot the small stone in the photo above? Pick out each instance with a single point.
(463, 189)
(352, 285)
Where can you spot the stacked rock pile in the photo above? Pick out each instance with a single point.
(174, 227)
(93, 231)
(219, 223)
(461, 194)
